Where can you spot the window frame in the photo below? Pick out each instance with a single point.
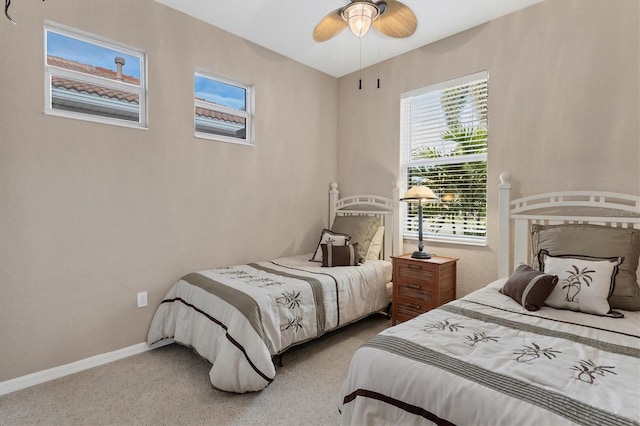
(406, 162)
(51, 71)
(248, 113)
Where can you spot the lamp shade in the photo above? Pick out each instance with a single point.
(419, 193)
(359, 16)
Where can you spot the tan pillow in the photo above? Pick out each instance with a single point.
(360, 228)
(376, 245)
(597, 241)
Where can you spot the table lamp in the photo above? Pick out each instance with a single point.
(419, 194)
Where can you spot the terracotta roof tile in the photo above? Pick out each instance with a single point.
(89, 69)
(203, 112)
(92, 89)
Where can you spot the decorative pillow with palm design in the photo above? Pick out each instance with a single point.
(584, 284)
(329, 237)
(597, 241)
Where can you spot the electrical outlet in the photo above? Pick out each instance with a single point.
(142, 299)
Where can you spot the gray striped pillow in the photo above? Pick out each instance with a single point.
(340, 255)
(529, 287)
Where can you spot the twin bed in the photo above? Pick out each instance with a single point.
(498, 356)
(240, 317)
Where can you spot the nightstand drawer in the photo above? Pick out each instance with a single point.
(413, 308)
(417, 272)
(416, 290)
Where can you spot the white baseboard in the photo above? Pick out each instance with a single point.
(33, 379)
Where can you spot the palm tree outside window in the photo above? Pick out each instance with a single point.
(444, 139)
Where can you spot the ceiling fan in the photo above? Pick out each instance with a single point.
(390, 17)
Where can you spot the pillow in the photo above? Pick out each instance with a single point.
(529, 287)
(340, 255)
(329, 237)
(597, 241)
(361, 228)
(376, 245)
(584, 284)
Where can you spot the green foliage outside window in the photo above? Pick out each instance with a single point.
(456, 167)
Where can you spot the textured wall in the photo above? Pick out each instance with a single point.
(91, 214)
(564, 108)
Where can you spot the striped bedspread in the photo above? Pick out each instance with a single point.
(238, 317)
(484, 360)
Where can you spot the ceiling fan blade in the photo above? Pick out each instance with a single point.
(329, 26)
(397, 20)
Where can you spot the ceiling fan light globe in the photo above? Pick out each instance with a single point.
(359, 15)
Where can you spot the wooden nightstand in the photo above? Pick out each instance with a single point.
(421, 285)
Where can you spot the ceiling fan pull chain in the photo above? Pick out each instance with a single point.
(360, 72)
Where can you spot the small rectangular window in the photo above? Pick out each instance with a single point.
(223, 109)
(90, 78)
(443, 145)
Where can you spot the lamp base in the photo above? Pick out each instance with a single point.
(421, 255)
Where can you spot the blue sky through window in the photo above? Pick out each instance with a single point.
(90, 54)
(219, 93)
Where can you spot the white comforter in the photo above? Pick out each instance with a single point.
(484, 360)
(238, 317)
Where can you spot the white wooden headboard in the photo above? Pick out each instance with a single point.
(372, 205)
(552, 208)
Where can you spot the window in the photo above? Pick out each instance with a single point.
(443, 144)
(223, 109)
(90, 78)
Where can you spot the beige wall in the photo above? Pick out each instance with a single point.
(564, 110)
(92, 214)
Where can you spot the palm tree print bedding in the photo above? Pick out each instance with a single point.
(485, 359)
(239, 317)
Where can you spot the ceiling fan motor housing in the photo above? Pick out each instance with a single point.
(359, 15)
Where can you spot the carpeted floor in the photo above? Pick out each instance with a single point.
(170, 385)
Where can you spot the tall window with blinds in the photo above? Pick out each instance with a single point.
(443, 143)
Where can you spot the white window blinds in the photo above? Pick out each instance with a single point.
(443, 143)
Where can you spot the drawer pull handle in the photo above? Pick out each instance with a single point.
(408, 305)
(414, 286)
(413, 266)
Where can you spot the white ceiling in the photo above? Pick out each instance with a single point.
(285, 26)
